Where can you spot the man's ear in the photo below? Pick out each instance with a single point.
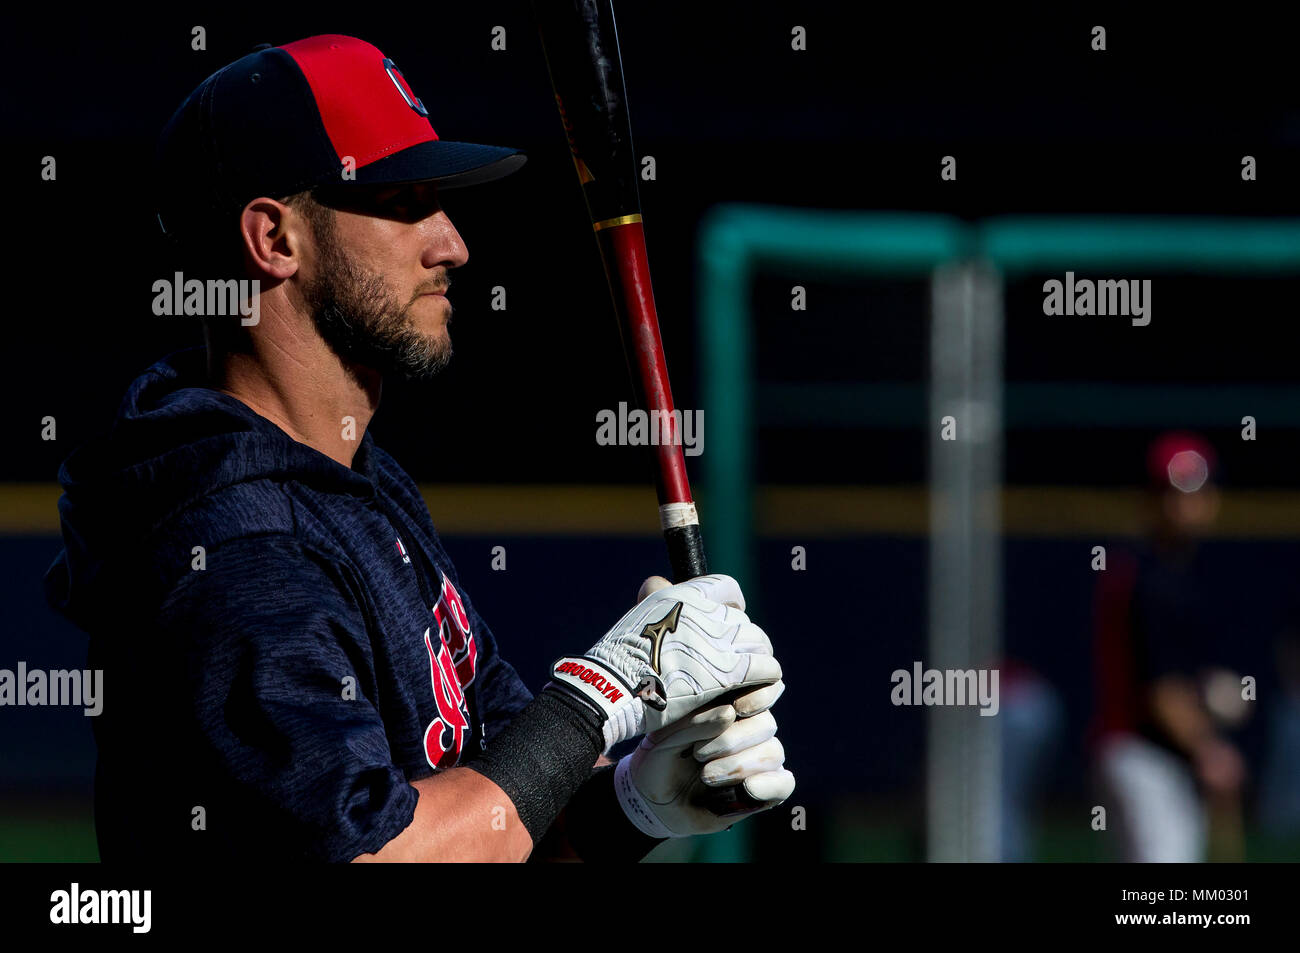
(274, 236)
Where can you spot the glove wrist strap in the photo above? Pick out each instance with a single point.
(606, 690)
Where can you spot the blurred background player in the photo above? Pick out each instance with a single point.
(1171, 780)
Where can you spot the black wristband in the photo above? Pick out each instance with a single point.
(598, 830)
(543, 756)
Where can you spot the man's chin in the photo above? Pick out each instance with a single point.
(387, 343)
(422, 365)
(411, 362)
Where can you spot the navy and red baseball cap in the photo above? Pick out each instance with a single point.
(287, 119)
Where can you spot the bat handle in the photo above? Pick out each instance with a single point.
(686, 552)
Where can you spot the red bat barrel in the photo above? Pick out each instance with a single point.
(580, 39)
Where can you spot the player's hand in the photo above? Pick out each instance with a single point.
(750, 703)
(702, 774)
(678, 649)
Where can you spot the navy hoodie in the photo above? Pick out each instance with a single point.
(285, 643)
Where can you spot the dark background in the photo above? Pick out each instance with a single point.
(1039, 123)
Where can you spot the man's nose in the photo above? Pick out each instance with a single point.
(444, 244)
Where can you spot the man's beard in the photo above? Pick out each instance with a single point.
(360, 319)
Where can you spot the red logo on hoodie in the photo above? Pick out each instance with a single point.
(452, 658)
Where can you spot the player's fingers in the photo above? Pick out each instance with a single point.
(741, 734)
(759, 700)
(760, 792)
(763, 670)
(718, 588)
(771, 787)
(651, 585)
(768, 756)
(700, 725)
(751, 638)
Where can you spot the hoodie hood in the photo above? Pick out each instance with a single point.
(175, 443)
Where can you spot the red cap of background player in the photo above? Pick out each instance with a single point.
(1180, 460)
(328, 110)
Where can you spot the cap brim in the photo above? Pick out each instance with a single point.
(448, 164)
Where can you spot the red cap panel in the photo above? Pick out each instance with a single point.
(368, 110)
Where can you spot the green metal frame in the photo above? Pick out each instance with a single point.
(1221, 246)
(737, 240)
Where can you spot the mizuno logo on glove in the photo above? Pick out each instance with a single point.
(655, 632)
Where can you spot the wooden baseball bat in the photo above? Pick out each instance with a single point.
(580, 40)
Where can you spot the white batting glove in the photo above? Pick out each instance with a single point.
(707, 771)
(678, 649)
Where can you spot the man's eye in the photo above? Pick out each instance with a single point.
(407, 201)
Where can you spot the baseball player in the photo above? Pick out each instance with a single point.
(1171, 775)
(293, 667)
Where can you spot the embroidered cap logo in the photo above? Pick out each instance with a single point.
(399, 81)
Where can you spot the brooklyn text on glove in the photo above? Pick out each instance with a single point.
(593, 678)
